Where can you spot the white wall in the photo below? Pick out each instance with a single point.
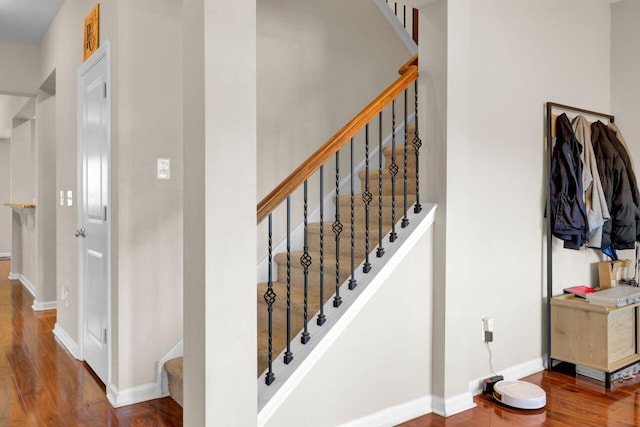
(47, 199)
(383, 357)
(149, 238)
(625, 68)
(319, 64)
(5, 196)
(230, 331)
(23, 165)
(19, 69)
(195, 384)
(505, 60)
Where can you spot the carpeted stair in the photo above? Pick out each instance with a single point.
(174, 372)
(297, 270)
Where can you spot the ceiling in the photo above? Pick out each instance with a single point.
(26, 21)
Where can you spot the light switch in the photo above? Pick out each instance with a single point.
(61, 197)
(69, 198)
(164, 169)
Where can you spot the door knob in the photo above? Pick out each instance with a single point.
(81, 233)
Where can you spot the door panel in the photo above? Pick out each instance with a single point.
(93, 198)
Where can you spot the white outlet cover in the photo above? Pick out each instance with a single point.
(164, 168)
(61, 197)
(69, 198)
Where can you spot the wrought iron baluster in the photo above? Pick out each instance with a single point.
(305, 260)
(337, 229)
(270, 298)
(288, 355)
(393, 170)
(404, 16)
(352, 280)
(321, 316)
(366, 198)
(405, 207)
(417, 143)
(380, 250)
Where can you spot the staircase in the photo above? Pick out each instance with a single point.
(387, 203)
(329, 259)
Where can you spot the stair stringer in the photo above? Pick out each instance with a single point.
(288, 377)
(297, 232)
(394, 21)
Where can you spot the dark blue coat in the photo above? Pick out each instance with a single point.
(568, 211)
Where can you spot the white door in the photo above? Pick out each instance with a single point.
(93, 209)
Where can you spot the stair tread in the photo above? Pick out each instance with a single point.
(174, 366)
(175, 374)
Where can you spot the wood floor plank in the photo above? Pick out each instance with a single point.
(12, 407)
(571, 401)
(41, 384)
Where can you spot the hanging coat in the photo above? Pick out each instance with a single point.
(621, 193)
(568, 213)
(595, 201)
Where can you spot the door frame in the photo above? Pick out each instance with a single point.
(103, 52)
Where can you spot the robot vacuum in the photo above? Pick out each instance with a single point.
(519, 394)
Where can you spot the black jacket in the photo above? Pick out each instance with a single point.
(568, 212)
(620, 188)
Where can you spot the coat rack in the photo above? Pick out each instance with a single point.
(550, 134)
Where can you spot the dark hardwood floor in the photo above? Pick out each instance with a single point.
(571, 401)
(43, 385)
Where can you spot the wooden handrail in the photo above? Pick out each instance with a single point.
(335, 143)
(409, 63)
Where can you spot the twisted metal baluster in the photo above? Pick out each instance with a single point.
(352, 280)
(417, 143)
(393, 170)
(321, 316)
(270, 298)
(366, 198)
(405, 219)
(305, 260)
(288, 355)
(380, 250)
(337, 229)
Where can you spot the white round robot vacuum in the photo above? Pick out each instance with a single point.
(519, 394)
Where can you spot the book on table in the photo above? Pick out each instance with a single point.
(579, 290)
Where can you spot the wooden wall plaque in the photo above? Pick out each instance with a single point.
(91, 32)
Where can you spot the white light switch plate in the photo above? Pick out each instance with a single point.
(61, 197)
(69, 198)
(164, 169)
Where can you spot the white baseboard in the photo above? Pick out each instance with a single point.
(452, 405)
(25, 282)
(162, 380)
(66, 341)
(46, 305)
(5, 255)
(394, 415)
(513, 373)
(130, 396)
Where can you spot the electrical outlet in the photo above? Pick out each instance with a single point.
(487, 329)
